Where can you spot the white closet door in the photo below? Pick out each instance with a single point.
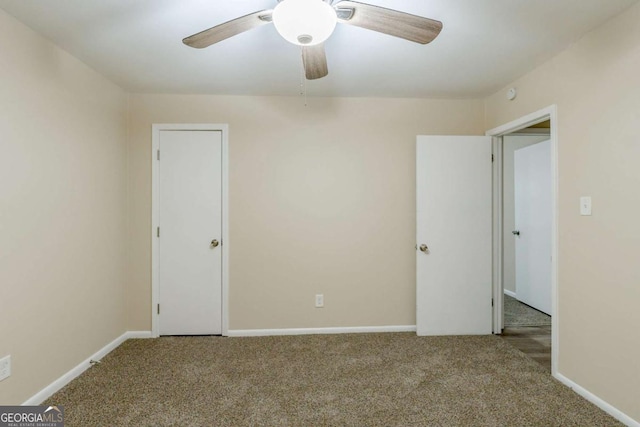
(190, 218)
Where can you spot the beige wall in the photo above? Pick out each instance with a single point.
(322, 200)
(62, 211)
(596, 85)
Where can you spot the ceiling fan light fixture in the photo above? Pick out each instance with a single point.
(304, 22)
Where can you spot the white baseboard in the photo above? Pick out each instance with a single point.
(510, 293)
(65, 379)
(609, 409)
(318, 331)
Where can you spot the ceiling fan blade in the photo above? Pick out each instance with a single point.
(314, 59)
(228, 29)
(392, 22)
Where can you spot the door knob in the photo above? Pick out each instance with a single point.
(214, 243)
(424, 248)
(516, 232)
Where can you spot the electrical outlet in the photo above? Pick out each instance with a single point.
(319, 301)
(5, 367)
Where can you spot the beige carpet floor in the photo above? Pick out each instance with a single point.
(323, 380)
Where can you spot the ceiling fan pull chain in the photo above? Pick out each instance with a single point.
(301, 76)
(303, 79)
(305, 92)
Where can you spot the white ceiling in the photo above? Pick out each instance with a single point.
(485, 44)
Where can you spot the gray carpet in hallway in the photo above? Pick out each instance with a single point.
(395, 379)
(518, 314)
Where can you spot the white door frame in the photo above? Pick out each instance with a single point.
(549, 113)
(155, 209)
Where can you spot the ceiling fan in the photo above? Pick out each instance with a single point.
(308, 23)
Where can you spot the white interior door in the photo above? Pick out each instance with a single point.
(510, 144)
(533, 215)
(190, 218)
(454, 221)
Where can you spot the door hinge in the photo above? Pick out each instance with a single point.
(158, 308)
(158, 231)
(491, 302)
(491, 156)
(158, 154)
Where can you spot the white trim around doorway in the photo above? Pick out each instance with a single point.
(155, 208)
(549, 113)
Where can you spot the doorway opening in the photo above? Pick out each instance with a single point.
(525, 234)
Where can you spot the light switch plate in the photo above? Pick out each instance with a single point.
(585, 205)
